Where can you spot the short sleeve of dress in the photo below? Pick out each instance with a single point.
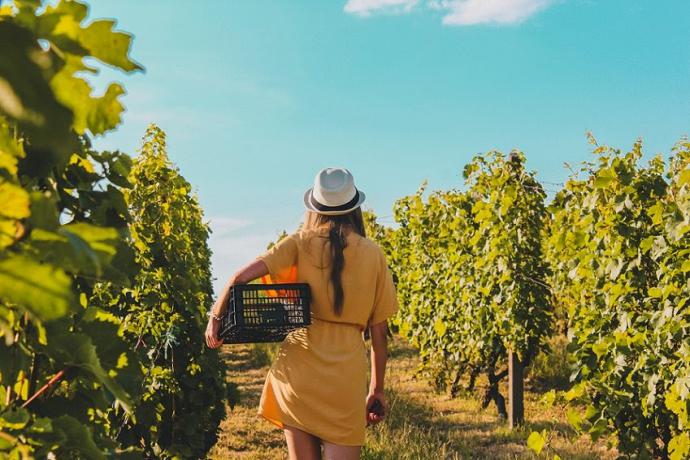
(281, 258)
(385, 299)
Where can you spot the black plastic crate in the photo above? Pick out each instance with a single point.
(265, 312)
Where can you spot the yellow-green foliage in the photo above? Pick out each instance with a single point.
(619, 248)
(63, 229)
(183, 394)
(470, 274)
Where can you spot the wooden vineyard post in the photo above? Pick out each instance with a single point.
(516, 413)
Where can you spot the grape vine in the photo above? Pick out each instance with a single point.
(183, 394)
(81, 372)
(619, 248)
(470, 274)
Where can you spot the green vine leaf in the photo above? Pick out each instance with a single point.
(25, 95)
(42, 289)
(78, 350)
(536, 441)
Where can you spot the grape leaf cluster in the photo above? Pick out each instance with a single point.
(72, 382)
(470, 273)
(619, 244)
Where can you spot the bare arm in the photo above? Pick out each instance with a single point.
(379, 357)
(249, 272)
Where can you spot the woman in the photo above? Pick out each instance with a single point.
(316, 389)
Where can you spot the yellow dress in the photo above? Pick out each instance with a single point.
(318, 382)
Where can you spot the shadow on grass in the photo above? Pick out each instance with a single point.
(246, 373)
(410, 432)
(396, 351)
(414, 430)
(243, 433)
(561, 428)
(420, 424)
(263, 354)
(237, 358)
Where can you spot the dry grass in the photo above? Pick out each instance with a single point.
(421, 424)
(244, 434)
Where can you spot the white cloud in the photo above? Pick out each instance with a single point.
(458, 12)
(366, 7)
(470, 12)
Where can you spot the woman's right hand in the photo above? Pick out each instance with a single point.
(211, 334)
(376, 407)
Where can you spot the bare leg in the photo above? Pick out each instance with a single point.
(338, 452)
(302, 445)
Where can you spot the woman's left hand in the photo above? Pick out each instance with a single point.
(211, 334)
(376, 407)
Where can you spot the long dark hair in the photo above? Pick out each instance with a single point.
(337, 225)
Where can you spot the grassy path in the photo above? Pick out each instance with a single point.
(421, 423)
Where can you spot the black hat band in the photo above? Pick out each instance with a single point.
(342, 207)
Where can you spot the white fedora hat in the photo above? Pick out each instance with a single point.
(334, 193)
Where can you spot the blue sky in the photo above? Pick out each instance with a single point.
(257, 96)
